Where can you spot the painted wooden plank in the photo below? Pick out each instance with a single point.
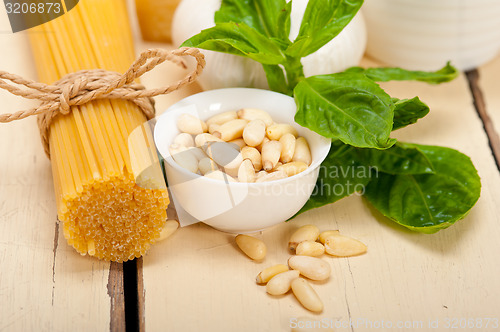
(489, 85)
(199, 280)
(44, 284)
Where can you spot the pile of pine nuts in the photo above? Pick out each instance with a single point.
(308, 243)
(240, 146)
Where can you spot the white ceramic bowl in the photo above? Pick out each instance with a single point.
(238, 207)
(425, 34)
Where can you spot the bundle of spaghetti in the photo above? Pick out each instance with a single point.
(110, 191)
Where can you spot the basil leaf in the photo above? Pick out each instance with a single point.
(428, 203)
(401, 158)
(340, 175)
(322, 21)
(345, 106)
(276, 79)
(269, 17)
(408, 111)
(238, 39)
(445, 74)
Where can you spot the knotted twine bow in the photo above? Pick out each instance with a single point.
(84, 86)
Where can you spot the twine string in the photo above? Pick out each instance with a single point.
(86, 85)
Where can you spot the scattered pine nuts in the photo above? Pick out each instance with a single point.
(306, 263)
(343, 246)
(252, 247)
(325, 234)
(170, 227)
(310, 267)
(268, 145)
(306, 295)
(310, 248)
(304, 233)
(281, 283)
(265, 275)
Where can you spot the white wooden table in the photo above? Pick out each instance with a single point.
(198, 280)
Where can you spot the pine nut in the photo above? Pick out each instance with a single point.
(278, 165)
(271, 152)
(213, 128)
(304, 233)
(238, 143)
(259, 147)
(310, 248)
(190, 124)
(219, 175)
(281, 283)
(170, 227)
(253, 154)
(254, 132)
(197, 152)
(222, 118)
(325, 234)
(288, 147)
(306, 295)
(232, 129)
(278, 175)
(293, 168)
(252, 247)
(207, 165)
(203, 139)
(250, 114)
(234, 165)
(275, 131)
(260, 175)
(246, 172)
(265, 275)
(343, 246)
(311, 267)
(184, 158)
(184, 139)
(302, 151)
(222, 153)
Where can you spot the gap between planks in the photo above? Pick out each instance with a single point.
(480, 106)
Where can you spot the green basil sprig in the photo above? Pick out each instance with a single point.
(424, 188)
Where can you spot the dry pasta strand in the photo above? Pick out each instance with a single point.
(107, 210)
